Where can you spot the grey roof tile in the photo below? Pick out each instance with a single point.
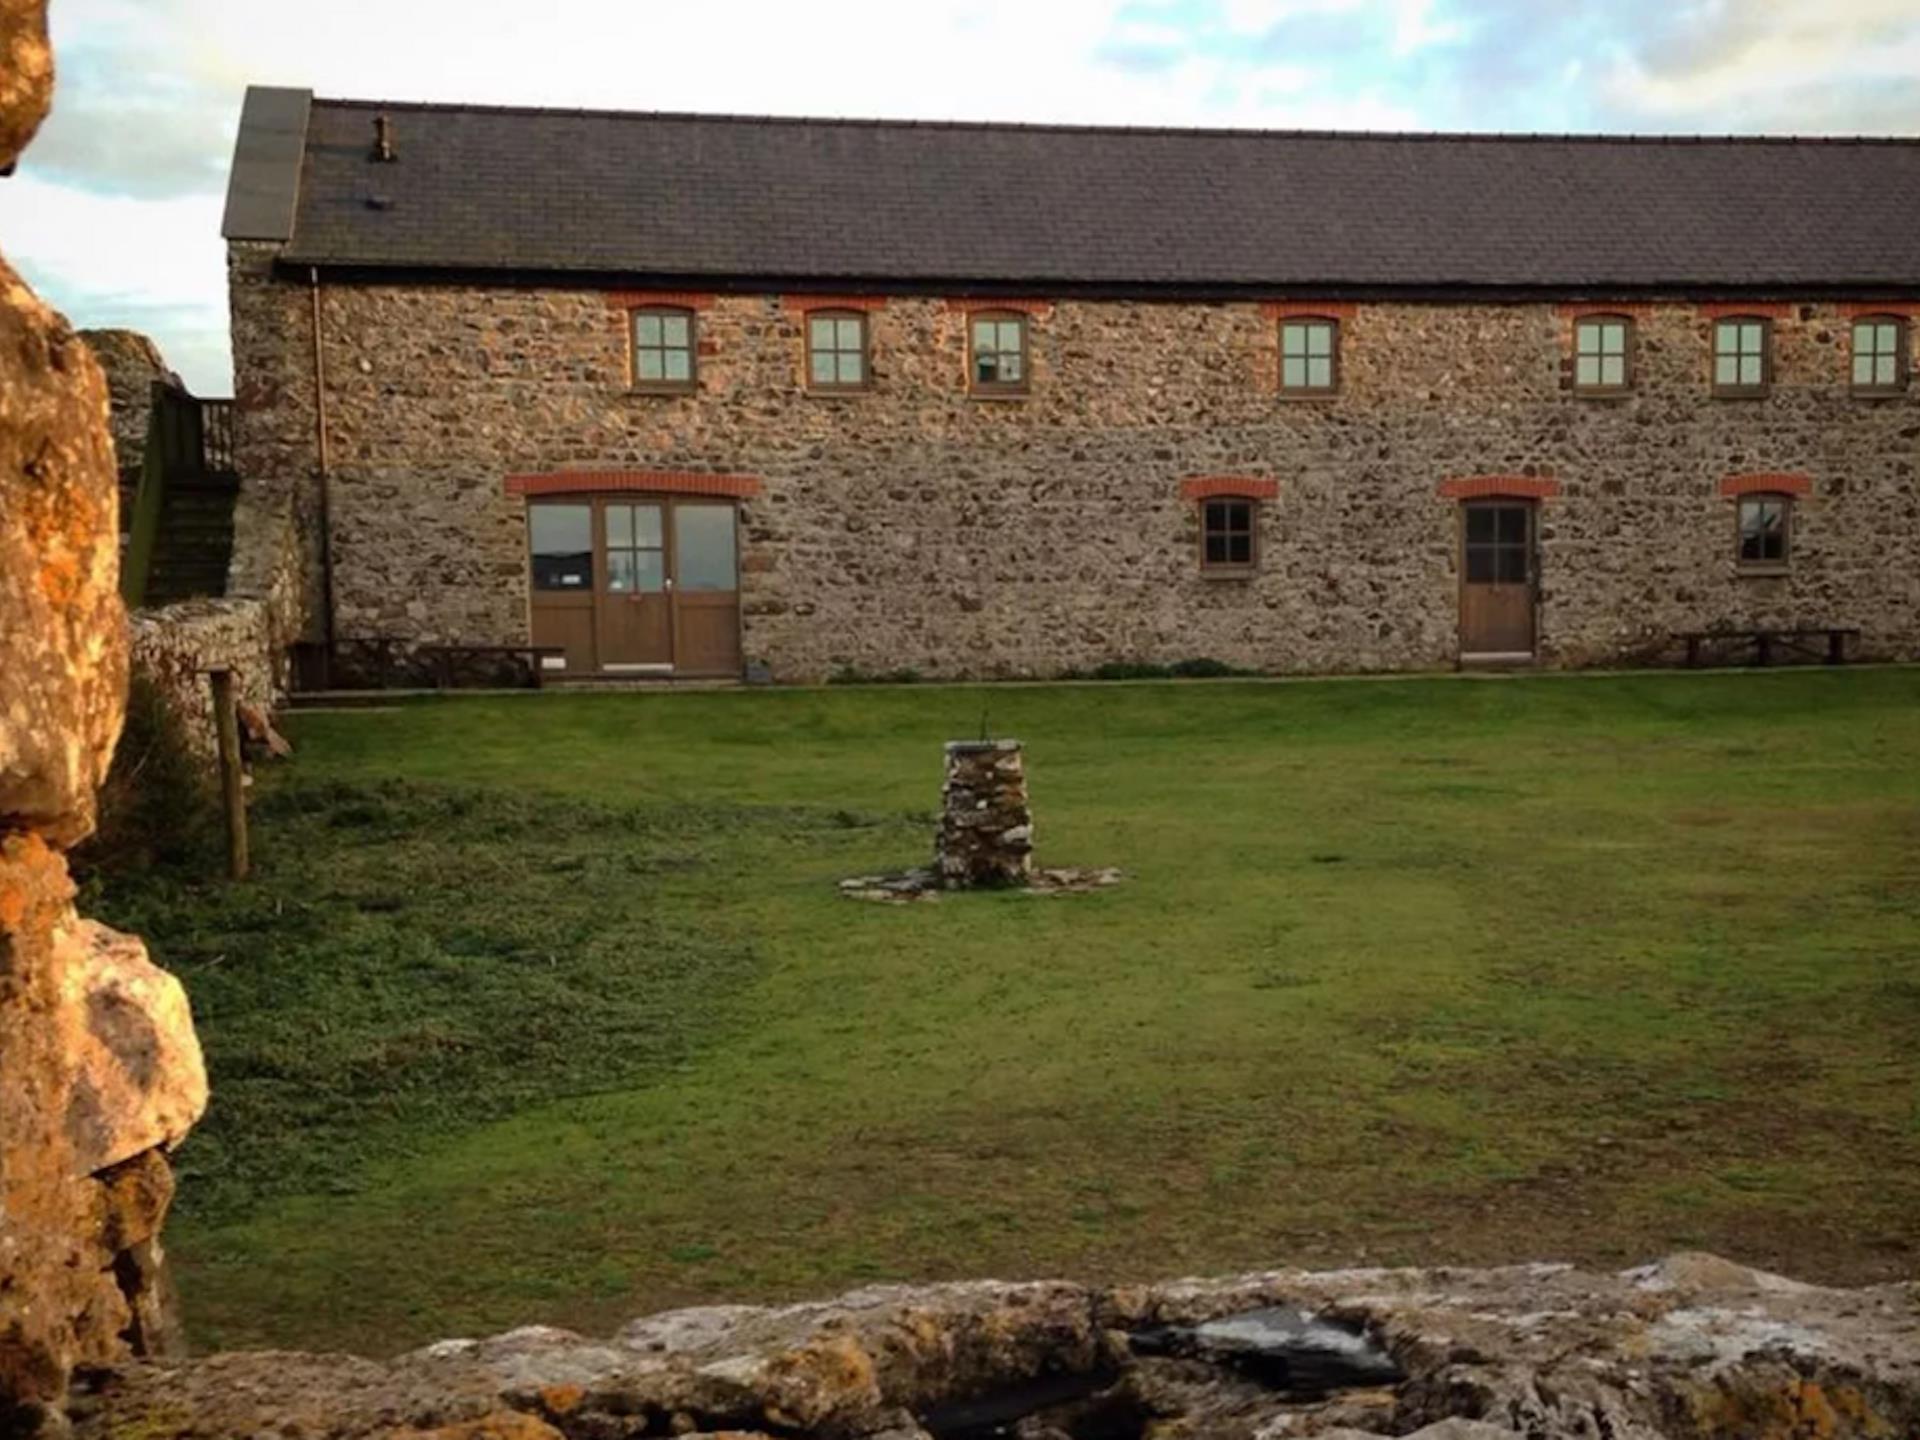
(824, 200)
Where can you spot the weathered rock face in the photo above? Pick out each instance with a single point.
(99, 1068)
(26, 74)
(101, 1071)
(63, 643)
(986, 827)
(1691, 1347)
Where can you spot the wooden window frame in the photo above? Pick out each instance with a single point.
(1627, 338)
(1231, 569)
(838, 387)
(663, 387)
(1764, 567)
(1309, 392)
(1000, 388)
(1901, 341)
(1738, 391)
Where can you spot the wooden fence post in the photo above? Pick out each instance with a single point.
(232, 777)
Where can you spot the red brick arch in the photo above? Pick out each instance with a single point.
(660, 482)
(1499, 487)
(1766, 483)
(1238, 487)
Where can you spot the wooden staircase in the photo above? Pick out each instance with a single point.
(180, 542)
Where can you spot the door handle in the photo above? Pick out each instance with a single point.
(668, 583)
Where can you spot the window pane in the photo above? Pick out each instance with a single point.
(646, 526)
(1216, 550)
(1480, 564)
(985, 369)
(1613, 339)
(561, 539)
(1293, 339)
(649, 571)
(821, 367)
(1010, 340)
(620, 571)
(1863, 369)
(619, 526)
(646, 329)
(983, 335)
(647, 365)
(1613, 370)
(1726, 370)
(1319, 340)
(847, 334)
(1750, 373)
(1480, 524)
(852, 368)
(1586, 370)
(1886, 370)
(1010, 367)
(1319, 373)
(1513, 526)
(1750, 339)
(1511, 565)
(703, 537)
(673, 330)
(819, 332)
(1240, 549)
(1293, 373)
(678, 365)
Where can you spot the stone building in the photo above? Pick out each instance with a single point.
(681, 394)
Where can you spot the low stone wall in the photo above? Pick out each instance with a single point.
(175, 645)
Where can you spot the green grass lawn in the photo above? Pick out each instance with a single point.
(546, 1008)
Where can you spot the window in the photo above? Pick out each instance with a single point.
(1600, 354)
(1741, 365)
(561, 539)
(1764, 523)
(1226, 535)
(1499, 546)
(999, 360)
(836, 350)
(1879, 355)
(1309, 357)
(663, 349)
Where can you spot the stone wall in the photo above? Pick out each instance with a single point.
(912, 525)
(173, 647)
(131, 363)
(100, 1073)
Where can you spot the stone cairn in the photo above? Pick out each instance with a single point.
(100, 1073)
(986, 827)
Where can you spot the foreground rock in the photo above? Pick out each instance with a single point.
(63, 631)
(1690, 1347)
(99, 1069)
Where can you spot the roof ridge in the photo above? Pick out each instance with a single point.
(1087, 128)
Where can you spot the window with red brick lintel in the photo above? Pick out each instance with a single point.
(1880, 355)
(1228, 544)
(1742, 356)
(1763, 533)
(1309, 355)
(1602, 354)
(663, 349)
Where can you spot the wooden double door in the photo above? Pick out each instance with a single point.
(637, 584)
(1497, 580)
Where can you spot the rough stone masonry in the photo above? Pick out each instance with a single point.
(100, 1071)
(986, 827)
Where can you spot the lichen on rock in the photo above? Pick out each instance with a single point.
(1542, 1351)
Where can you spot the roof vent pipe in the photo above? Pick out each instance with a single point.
(382, 138)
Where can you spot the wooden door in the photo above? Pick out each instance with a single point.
(562, 558)
(635, 599)
(706, 588)
(1497, 579)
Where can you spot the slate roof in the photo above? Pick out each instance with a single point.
(834, 200)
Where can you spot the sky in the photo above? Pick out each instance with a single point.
(114, 212)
